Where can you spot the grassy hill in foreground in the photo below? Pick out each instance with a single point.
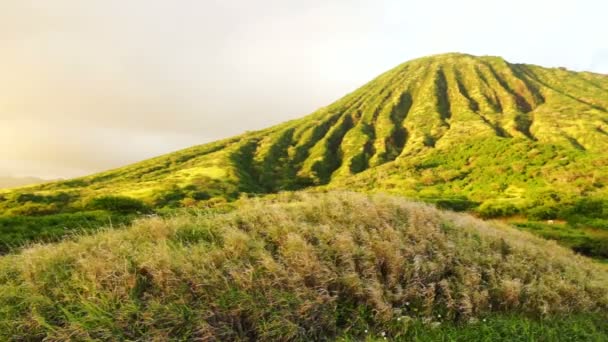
(301, 266)
(468, 133)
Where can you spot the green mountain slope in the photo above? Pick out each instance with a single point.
(466, 132)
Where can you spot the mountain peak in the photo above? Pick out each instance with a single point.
(395, 133)
(451, 58)
(446, 56)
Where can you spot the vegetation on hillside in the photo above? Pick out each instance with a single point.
(467, 133)
(301, 266)
(19, 231)
(496, 178)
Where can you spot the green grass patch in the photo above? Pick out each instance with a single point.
(492, 328)
(17, 231)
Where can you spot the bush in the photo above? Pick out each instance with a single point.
(20, 230)
(543, 213)
(60, 198)
(174, 196)
(34, 209)
(491, 209)
(455, 204)
(120, 204)
(588, 208)
(169, 198)
(595, 248)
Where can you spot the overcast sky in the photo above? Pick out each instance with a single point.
(91, 85)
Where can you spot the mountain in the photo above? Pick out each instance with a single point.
(305, 267)
(12, 182)
(465, 132)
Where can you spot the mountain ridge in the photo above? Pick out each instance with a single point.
(416, 105)
(517, 104)
(466, 132)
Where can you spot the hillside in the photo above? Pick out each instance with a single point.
(465, 132)
(304, 266)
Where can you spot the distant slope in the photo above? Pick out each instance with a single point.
(304, 267)
(13, 182)
(475, 133)
(429, 104)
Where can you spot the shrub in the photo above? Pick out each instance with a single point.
(121, 204)
(596, 248)
(21, 230)
(34, 209)
(58, 198)
(492, 209)
(543, 213)
(169, 197)
(188, 202)
(455, 204)
(589, 208)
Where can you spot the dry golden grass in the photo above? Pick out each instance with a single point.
(294, 266)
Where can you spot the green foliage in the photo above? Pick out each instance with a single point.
(27, 203)
(490, 209)
(169, 197)
(202, 189)
(543, 212)
(494, 328)
(274, 169)
(34, 209)
(16, 231)
(119, 204)
(243, 159)
(594, 248)
(454, 203)
(587, 241)
(327, 157)
(588, 211)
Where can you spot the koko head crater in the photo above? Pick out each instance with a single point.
(454, 197)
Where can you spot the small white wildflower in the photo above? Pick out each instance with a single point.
(398, 318)
(407, 303)
(383, 334)
(484, 319)
(439, 315)
(366, 331)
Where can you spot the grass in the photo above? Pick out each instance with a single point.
(302, 266)
(588, 241)
(508, 328)
(16, 232)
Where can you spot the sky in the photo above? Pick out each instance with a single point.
(87, 86)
